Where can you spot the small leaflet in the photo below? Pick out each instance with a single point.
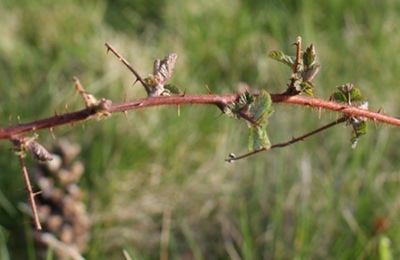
(281, 57)
(260, 110)
(162, 72)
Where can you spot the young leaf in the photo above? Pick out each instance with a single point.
(173, 89)
(163, 69)
(359, 130)
(355, 95)
(347, 93)
(310, 57)
(281, 57)
(258, 138)
(240, 108)
(260, 109)
(309, 73)
(339, 97)
(307, 88)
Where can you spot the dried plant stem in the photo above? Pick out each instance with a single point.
(31, 195)
(219, 100)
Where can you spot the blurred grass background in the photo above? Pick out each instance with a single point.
(317, 199)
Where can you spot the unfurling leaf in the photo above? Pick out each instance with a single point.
(359, 124)
(173, 89)
(310, 57)
(162, 72)
(339, 97)
(355, 95)
(255, 110)
(359, 130)
(346, 94)
(259, 112)
(310, 64)
(281, 57)
(239, 109)
(309, 73)
(307, 88)
(260, 109)
(258, 138)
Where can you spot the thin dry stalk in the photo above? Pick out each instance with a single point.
(31, 195)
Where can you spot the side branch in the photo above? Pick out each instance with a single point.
(294, 140)
(219, 100)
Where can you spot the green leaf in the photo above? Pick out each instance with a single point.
(355, 95)
(173, 89)
(339, 97)
(259, 112)
(307, 88)
(347, 92)
(281, 57)
(258, 138)
(260, 109)
(309, 57)
(239, 108)
(231, 111)
(359, 130)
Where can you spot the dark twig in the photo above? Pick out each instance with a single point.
(31, 195)
(294, 140)
(138, 77)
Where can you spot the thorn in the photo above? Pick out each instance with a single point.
(208, 90)
(179, 110)
(376, 125)
(184, 93)
(19, 120)
(319, 113)
(381, 109)
(126, 114)
(66, 108)
(52, 133)
(37, 193)
(137, 79)
(108, 47)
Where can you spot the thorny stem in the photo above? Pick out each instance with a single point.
(220, 100)
(294, 140)
(129, 66)
(31, 195)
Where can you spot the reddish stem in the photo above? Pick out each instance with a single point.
(220, 100)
